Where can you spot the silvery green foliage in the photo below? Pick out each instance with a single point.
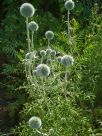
(33, 26)
(69, 5)
(42, 70)
(59, 59)
(35, 122)
(43, 53)
(27, 10)
(48, 51)
(53, 53)
(67, 60)
(49, 35)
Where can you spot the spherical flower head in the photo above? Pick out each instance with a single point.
(33, 26)
(35, 122)
(43, 70)
(48, 51)
(67, 60)
(27, 10)
(59, 59)
(43, 53)
(53, 53)
(49, 35)
(69, 5)
(51, 131)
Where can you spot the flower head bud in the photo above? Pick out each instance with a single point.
(33, 26)
(48, 51)
(43, 53)
(27, 10)
(59, 59)
(43, 70)
(53, 53)
(69, 5)
(67, 60)
(49, 35)
(35, 122)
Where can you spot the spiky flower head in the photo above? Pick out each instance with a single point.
(69, 5)
(67, 60)
(48, 51)
(43, 53)
(59, 59)
(35, 122)
(42, 70)
(27, 10)
(53, 53)
(33, 26)
(49, 35)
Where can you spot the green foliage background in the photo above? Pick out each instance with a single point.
(86, 48)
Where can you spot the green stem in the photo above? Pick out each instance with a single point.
(28, 36)
(68, 23)
(48, 43)
(32, 41)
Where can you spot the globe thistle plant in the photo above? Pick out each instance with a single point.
(69, 5)
(43, 53)
(59, 59)
(27, 10)
(67, 60)
(49, 35)
(35, 122)
(42, 70)
(33, 26)
(48, 51)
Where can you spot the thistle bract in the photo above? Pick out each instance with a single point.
(35, 122)
(33, 26)
(69, 5)
(67, 60)
(42, 70)
(49, 35)
(43, 53)
(27, 10)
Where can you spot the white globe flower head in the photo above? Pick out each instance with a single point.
(35, 122)
(27, 10)
(48, 51)
(67, 60)
(69, 5)
(43, 53)
(42, 70)
(33, 26)
(49, 35)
